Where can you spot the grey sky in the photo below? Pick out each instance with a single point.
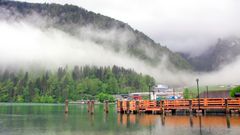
(181, 25)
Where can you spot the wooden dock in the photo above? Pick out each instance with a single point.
(192, 105)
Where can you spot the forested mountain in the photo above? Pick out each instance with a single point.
(105, 31)
(75, 84)
(224, 52)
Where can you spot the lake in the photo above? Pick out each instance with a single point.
(49, 119)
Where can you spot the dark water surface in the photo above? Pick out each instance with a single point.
(49, 119)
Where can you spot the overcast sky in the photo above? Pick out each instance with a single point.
(181, 25)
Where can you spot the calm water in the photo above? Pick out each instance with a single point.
(39, 119)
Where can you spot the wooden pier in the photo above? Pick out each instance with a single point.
(191, 106)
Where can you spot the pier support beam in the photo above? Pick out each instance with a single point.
(121, 107)
(205, 111)
(162, 107)
(128, 107)
(137, 107)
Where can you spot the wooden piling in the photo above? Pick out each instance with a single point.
(137, 106)
(205, 111)
(91, 106)
(121, 107)
(162, 107)
(106, 106)
(128, 107)
(66, 106)
(226, 105)
(88, 105)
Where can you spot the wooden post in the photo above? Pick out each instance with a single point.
(121, 106)
(128, 107)
(66, 106)
(137, 106)
(106, 106)
(88, 105)
(190, 107)
(158, 106)
(226, 105)
(92, 106)
(162, 106)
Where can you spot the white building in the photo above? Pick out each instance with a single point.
(163, 91)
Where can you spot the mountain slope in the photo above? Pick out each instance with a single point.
(224, 52)
(105, 31)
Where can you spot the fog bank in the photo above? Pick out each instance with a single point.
(181, 25)
(23, 45)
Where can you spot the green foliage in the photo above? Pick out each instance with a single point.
(46, 99)
(145, 97)
(101, 97)
(186, 93)
(79, 83)
(20, 99)
(234, 91)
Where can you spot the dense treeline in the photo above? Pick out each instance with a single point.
(75, 84)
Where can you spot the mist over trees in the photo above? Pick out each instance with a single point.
(114, 35)
(87, 82)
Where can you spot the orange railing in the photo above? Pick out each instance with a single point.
(180, 104)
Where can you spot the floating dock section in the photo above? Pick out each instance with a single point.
(191, 105)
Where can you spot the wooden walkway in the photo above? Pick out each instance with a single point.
(192, 105)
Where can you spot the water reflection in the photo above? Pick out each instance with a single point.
(51, 120)
(146, 120)
(228, 121)
(142, 120)
(200, 124)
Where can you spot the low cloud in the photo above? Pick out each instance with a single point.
(24, 45)
(181, 25)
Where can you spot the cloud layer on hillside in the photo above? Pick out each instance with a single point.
(23, 45)
(185, 25)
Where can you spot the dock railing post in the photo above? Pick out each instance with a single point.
(162, 107)
(137, 106)
(190, 107)
(66, 106)
(128, 107)
(198, 94)
(226, 105)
